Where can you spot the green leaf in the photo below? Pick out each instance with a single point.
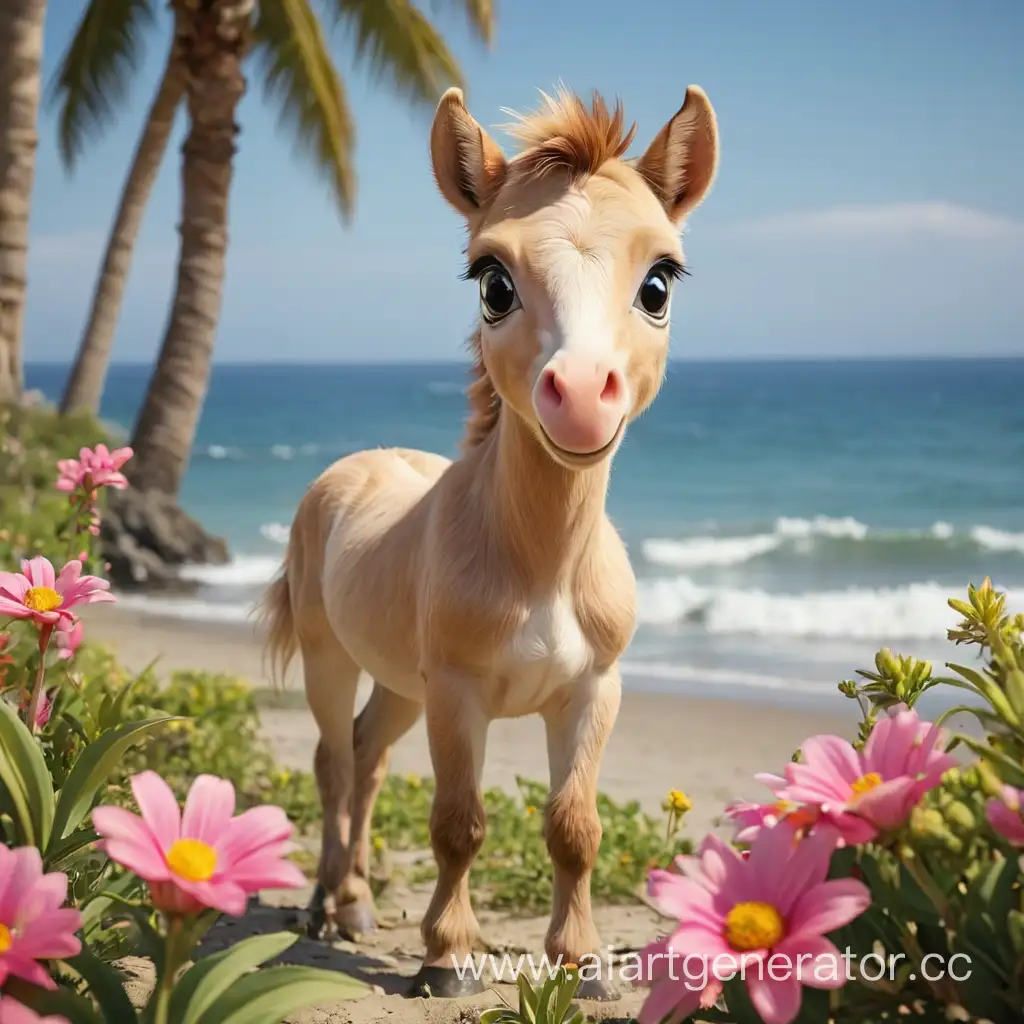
(62, 1001)
(59, 852)
(527, 998)
(106, 986)
(1007, 769)
(299, 72)
(565, 995)
(207, 980)
(96, 69)
(24, 776)
(499, 1015)
(92, 770)
(271, 995)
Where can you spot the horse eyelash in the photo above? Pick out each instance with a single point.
(672, 267)
(476, 269)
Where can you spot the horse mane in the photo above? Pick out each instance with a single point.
(484, 401)
(564, 134)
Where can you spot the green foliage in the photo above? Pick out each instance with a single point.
(549, 1003)
(33, 515)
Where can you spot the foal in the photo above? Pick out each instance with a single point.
(495, 586)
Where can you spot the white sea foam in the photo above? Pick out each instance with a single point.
(276, 532)
(682, 673)
(915, 611)
(718, 551)
(997, 540)
(245, 571)
(800, 535)
(283, 451)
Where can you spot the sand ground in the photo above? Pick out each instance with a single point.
(709, 748)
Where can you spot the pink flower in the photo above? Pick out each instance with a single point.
(44, 710)
(13, 1012)
(877, 788)
(34, 593)
(767, 914)
(203, 857)
(1006, 815)
(92, 469)
(34, 924)
(68, 640)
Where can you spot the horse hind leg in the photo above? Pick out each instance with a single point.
(331, 681)
(385, 719)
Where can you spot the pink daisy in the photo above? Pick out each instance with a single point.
(94, 468)
(36, 594)
(874, 789)
(34, 923)
(768, 914)
(1006, 815)
(202, 857)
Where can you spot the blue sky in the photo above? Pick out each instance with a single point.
(869, 201)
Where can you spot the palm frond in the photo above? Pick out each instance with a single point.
(299, 72)
(400, 45)
(94, 72)
(481, 15)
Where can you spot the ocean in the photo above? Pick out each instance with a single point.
(784, 519)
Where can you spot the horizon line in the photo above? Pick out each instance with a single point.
(452, 362)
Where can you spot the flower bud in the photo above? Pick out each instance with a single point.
(960, 818)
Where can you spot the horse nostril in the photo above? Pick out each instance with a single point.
(551, 389)
(612, 390)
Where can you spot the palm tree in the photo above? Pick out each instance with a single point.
(21, 55)
(205, 69)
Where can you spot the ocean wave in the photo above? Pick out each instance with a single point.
(915, 611)
(997, 540)
(683, 673)
(243, 571)
(800, 535)
(278, 533)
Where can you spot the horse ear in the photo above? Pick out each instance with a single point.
(680, 163)
(468, 164)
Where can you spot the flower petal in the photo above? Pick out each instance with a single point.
(156, 801)
(828, 906)
(778, 1002)
(208, 809)
(253, 831)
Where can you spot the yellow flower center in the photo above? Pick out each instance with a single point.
(6, 938)
(192, 859)
(41, 599)
(753, 926)
(866, 783)
(782, 806)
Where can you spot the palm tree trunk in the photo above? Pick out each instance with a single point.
(84, 389)
(21, 53)
(213, 40)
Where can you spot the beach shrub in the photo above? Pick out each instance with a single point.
(83, 880)
(883, 880)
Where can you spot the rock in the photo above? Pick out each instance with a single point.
(147, 537)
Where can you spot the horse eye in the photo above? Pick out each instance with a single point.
(497, 294)
(653, 295)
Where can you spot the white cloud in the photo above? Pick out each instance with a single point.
(889, 221)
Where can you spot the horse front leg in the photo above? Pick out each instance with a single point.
(457, 733)
(578, 726)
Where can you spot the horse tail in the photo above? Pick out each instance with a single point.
(278, 621)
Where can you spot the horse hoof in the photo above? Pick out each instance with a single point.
(443, 983)
(354, 919)
(598, 990)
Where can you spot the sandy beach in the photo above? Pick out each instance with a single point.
(710, 748)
